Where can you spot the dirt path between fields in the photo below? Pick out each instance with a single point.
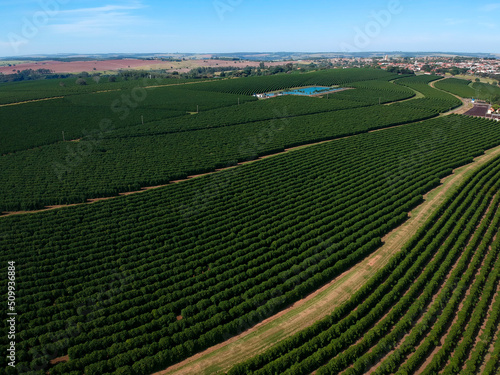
(466, 103)
(319, 304)
(425, 308)
(494, 340)
(444, 335)
(31, 101)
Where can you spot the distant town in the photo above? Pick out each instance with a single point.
(485, 68)
(440, 65)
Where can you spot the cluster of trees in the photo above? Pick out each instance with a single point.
(366, 329)
(233, 71)
(40, 74)
(487, 91)
(399, 70)
(213, 257)
(30, 75)
(454, 70)
(375, 92)
(367, 94)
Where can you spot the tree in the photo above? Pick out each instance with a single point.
(427, 68)
(81, 82)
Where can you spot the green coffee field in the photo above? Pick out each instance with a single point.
(138, 283)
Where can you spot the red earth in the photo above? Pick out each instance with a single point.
(77, 66)
(478, 110)
(103, 65)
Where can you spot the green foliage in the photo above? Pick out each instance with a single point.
(364, 331)
(135, 284)
(14, 92)
(256, 85)
(81, 109)
(42, 123)
(225, 251)
(150, 130)
(487, 92)
(111, 161)
(374, 92)
(439, 99)
(458, 87)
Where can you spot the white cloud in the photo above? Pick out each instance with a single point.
(490, 7)
(98, 21)
(101, 10)
(12, 47)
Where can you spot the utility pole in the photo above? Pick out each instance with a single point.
(197, 108)
(64, 140)
(142, 119)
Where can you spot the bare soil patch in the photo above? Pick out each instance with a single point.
(478, 110)
(31, 101)
(55, 361)
(124, 64)
(77, 66)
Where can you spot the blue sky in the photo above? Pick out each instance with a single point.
(197, 26)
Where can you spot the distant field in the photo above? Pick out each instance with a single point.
(447, 274)
(467, 89)
(11, 62)
(247, 207)
(203, 260)
(19, 92)
(171, 144)
(473, 78)
(114, 65)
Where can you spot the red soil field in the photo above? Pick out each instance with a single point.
(88, 66)
(77, 66)
(478, 110)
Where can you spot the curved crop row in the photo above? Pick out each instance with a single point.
(389, 306)
(15, 92)
(457, 86)
(101, 166)
(42, 123)
(438, 99)
(135, 284)
(257, 85)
